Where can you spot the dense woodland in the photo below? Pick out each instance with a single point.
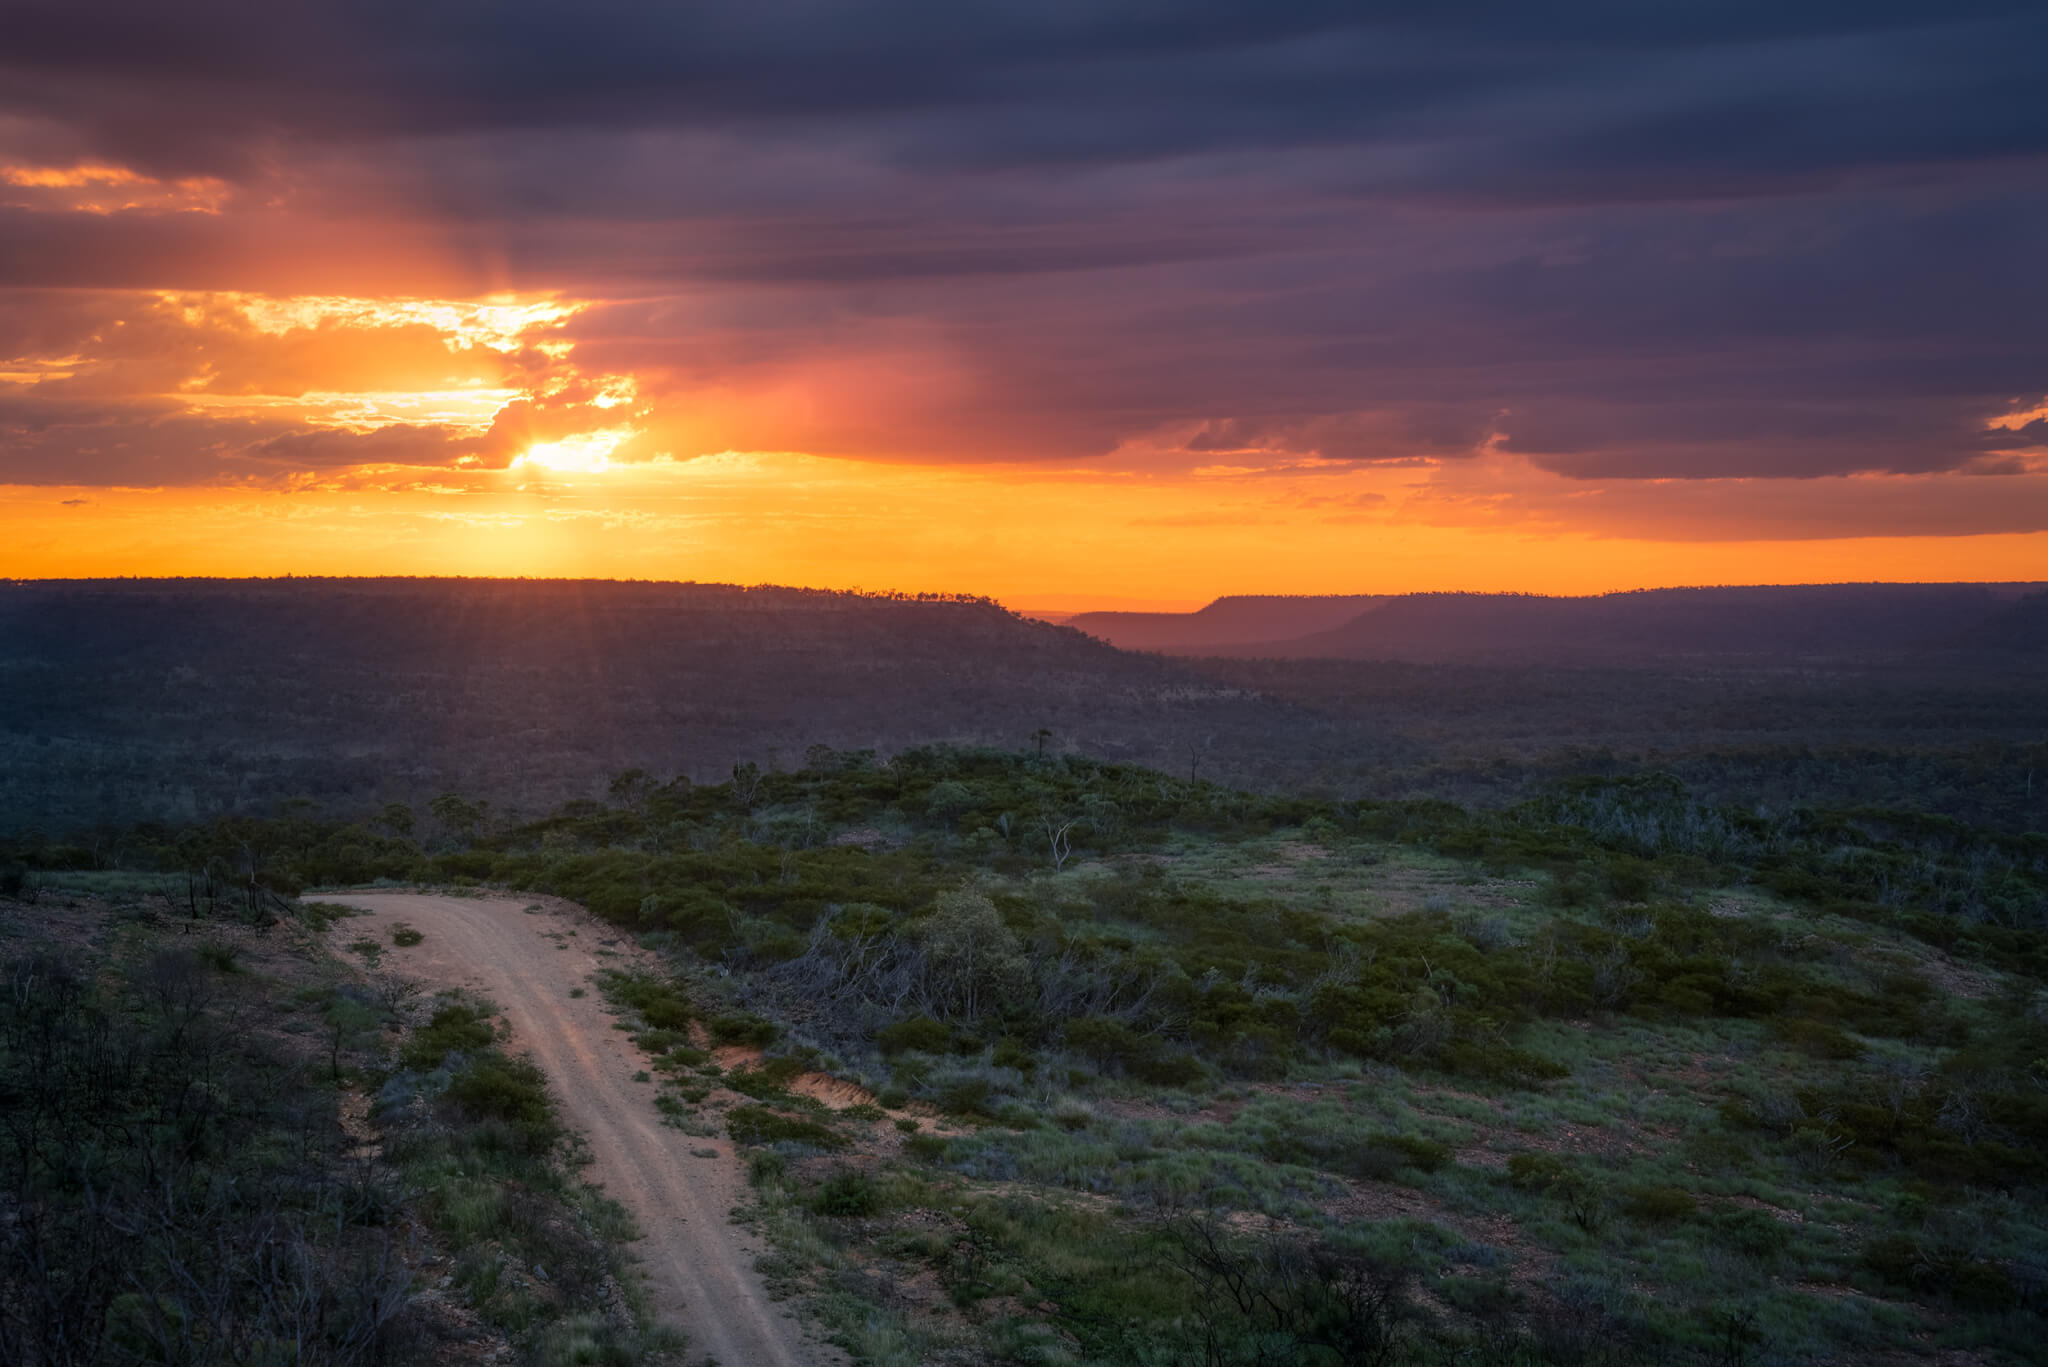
(1167, 1071)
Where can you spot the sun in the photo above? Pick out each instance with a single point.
(585, 453)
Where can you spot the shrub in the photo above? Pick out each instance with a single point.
(1536, 1171)
(1378, 1157)
(919, 1033)
(1658, 1204)
(1164, 1069)
(1751, 1232)
(759, 1125)
(661, 1004)
(847, 1195)
(1112, 1044)
(458, 1027)
(1425, 1155)
(771, 1078)
(927, 1148)
(405, 936)
(964, 1096)
(1499, 1062)
(1584, 1202)
(741, 1028)
(1818, 1038)
(509, 1091)
(321, 915)
(1011, 1054)
(661, 1041)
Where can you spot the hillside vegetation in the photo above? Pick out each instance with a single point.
(225, 1139)
(166, 699)
(169, 700)
(1045, 1059)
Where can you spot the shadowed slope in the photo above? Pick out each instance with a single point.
(1240, 619)
(1791, 622)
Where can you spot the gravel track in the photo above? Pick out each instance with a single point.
(699, 1266)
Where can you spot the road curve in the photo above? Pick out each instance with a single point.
(700, 1267)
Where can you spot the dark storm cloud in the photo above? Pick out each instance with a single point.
(1695, 82)
(1625, 240)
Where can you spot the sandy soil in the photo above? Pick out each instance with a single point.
(700, 1267)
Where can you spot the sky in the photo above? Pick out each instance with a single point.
(1115, 303)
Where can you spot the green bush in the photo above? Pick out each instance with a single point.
(461, 1027)
(967, 1096)
(919, 1033)
(662, 1041)
(1751, 1232)
(1424, 1155)
(509, 1091)
(848, 1194)
(927, 1148)
(321, 915)
(759, 1125)
(661, 1003)
(768, 1079)
(405, 936)
(1537, 1171)
(1816, 1037)
(741, 1028)
(1009, 1053)
(1168, 1069)
(1658, 1204)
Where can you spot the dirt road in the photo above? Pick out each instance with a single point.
(700, 1268)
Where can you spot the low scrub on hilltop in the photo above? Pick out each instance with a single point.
(1039, 1058)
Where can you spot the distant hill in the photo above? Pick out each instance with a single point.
(1238, 620)
(2020, 628)
(169, 700)
(1783, 622)
(142, 699)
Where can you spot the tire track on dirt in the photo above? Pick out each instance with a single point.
(700, 1267)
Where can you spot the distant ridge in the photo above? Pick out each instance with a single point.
(2020, 628)
(171, 699)
(1778, 621)
(1240, 619)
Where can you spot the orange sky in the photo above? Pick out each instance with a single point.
(1114, 303)
(253, 434)
(1034, 538)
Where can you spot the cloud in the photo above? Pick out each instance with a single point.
(1693, 242)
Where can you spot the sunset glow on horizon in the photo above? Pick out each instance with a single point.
(661, 337)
